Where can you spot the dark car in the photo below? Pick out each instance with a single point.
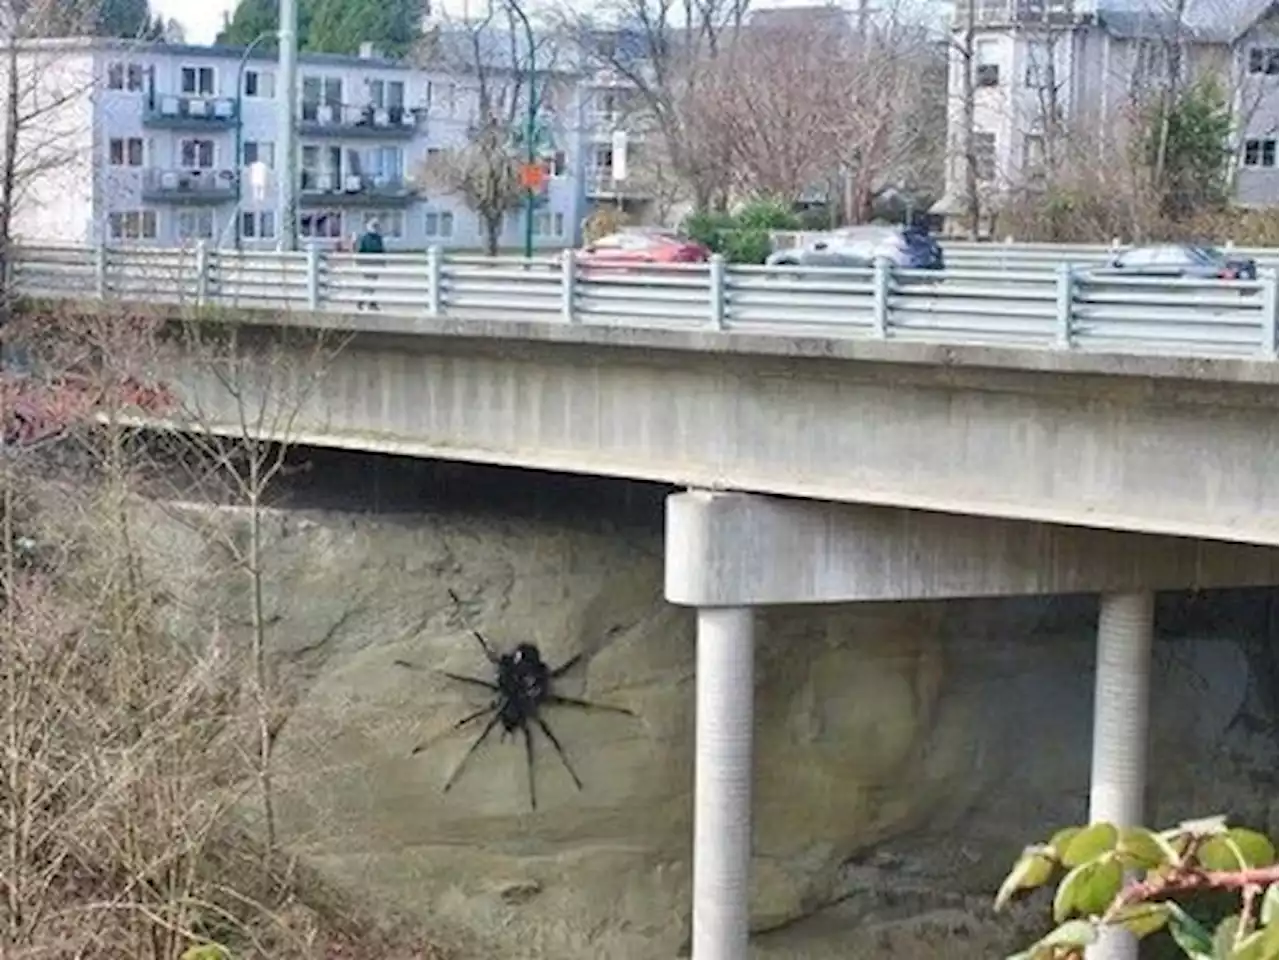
(909, 248)
(1180, 260)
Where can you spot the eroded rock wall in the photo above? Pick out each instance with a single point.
(876, 724)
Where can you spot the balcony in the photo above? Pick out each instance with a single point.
(171, 112)
(367, 122)
(600, 185)
(353, 190)
(189, 187)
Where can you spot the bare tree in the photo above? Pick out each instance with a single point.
(492, 53)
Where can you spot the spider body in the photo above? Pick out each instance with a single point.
(522, 685)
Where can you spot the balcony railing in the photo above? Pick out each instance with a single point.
(190, 187)
(189, 113)
(363, 121)
(993, 13)
(599, 183)
(353, 190)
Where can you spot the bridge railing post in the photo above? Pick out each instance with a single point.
(568, 287)
(202, 273)
(102, 283)
(315, 268)
(1270, 319)
(1064, 318)
(715, 279)
(880, 279)
(433, 280)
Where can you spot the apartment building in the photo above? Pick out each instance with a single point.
(169, 144)
(1083, 59)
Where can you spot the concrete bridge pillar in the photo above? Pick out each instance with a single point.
(727, 553)
(1118, 779)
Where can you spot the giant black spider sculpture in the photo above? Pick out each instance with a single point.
(523, 684)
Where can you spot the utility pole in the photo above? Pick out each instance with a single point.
(286, 135)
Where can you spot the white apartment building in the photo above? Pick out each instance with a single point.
(161, 144)
(1091, 56)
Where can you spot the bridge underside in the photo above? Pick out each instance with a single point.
(1176, 456)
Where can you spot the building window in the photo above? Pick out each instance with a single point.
(390, 222)
(126, 76)
(438, 225)
(125, 152)
(258, 224)
(195, 224)
(199, 81)
(558, 165)
(195, 154)
(386, 94)
(259, 83)
(320, 92)
(984, 154)
(320, 224)
(260, 151)
(1032, 152)
(1260, 153)
(132, 225)
(548, 224)
(1264, 61)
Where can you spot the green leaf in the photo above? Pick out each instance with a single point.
(1140, 847)
(1196, 942)
(1073, 933)
(1032, 870)
(1224, 937)
(1063, 837)
(1269, 913)
(1221, 853)
(1260, 945)
(1089, 844)
(1088, 889)
(1142, 919)
(1257, 849)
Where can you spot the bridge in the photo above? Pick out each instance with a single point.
(846, 436)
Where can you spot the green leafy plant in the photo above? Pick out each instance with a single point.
(1197, 855)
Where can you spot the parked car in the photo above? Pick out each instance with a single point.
(1182, 260)
(904, 247)
(637, 247)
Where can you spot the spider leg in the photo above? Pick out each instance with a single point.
(565, 667)
(484, 735)
(560, 750)
(528, 759)
(484, 644)
(493, 705)
(474, 681)
(555, 698)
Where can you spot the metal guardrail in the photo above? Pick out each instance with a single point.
(1064, 309)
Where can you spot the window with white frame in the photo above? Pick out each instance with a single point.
(986, 59)
(1039, 72)
(548, 223)
(125, 152)
(320, 224)
(390, 222)
(199, 81)
(1264, 61)
(260, 83)
(1032, 152)
(438, 224)
(129, 77)
(1260, 153)
(260, 151)
(386, 94)
(196, 153)
(132, 225)
(320, 92)
(558, 164)
(195, 225)
(258, 224)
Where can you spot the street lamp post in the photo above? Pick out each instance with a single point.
(239, 159)
(530, 125)
(287, 228)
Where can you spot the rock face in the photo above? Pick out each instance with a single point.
(873, 723)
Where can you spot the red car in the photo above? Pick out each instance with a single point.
(638, 247)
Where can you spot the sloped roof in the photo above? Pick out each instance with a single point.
(1208, 21)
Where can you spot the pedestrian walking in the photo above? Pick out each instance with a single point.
(370, 244)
